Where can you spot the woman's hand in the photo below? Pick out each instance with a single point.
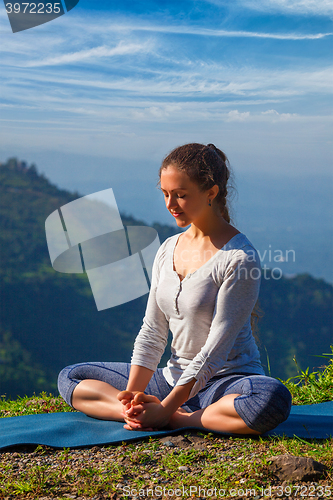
(133, 407)
(130, 408)
(145, 413)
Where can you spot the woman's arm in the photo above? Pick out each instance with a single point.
(137, 382)
(149, 344)
(138, 378)
(152, 338)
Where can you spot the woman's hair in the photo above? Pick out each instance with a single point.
(205, 165)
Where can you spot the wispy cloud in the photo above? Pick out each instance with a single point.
(108, 38)
(298, 7)
(205, 80)
(317, 7)
(169, 26)
(198, 31)
(95, 53)
(276, 116)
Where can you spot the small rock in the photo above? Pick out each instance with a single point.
(290, 468)
(180, 441)
(95, 449)
(183, 468)
(199, 447)
(198, 442)
(169, 443)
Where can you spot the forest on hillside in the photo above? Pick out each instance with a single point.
(49, 319)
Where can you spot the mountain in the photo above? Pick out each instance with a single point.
(49, 319)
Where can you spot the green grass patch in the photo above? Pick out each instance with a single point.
(315, 387)
(42, 403)
(237, 464)
(112, 471)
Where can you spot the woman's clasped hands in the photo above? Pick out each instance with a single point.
(142, 411)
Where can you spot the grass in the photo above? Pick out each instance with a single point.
(315, 387)
(227, 464)
(43, 403)
(113, 471)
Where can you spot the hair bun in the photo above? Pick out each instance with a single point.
(218, 151)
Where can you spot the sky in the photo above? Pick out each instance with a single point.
(97, 97)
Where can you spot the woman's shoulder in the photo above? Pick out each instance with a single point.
(239, 250)
(240, 243)
(237, 258)
(169, 243)
(166, 248)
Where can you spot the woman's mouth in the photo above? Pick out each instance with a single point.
(176, 214)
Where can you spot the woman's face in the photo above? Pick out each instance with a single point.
(183, 198)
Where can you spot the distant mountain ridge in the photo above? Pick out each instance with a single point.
(49, 319)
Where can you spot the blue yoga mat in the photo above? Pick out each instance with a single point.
(74, 429)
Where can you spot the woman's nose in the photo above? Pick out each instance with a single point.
(171, 202)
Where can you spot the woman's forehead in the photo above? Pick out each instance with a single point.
(173, 178)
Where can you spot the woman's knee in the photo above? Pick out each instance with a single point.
(265, 404)
(69, 378)
(66, 385)
(114, 374)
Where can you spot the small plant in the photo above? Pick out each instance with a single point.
(314, 387)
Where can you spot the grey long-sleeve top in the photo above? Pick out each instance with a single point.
(208, 314)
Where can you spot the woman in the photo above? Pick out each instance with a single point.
(204, 287)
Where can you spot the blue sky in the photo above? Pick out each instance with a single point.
(131, 80)
(97, 97)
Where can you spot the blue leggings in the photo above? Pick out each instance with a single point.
(264, 402)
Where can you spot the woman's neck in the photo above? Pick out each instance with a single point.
(212, 228)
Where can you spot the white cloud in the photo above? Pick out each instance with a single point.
(95, 53)
(276, 116)
(199, 31)
(299, 7)
(201, 78)
(316, 7)
(235, 115)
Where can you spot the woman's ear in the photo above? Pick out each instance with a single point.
(213, 192)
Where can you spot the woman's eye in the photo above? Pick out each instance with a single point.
(181, 196)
